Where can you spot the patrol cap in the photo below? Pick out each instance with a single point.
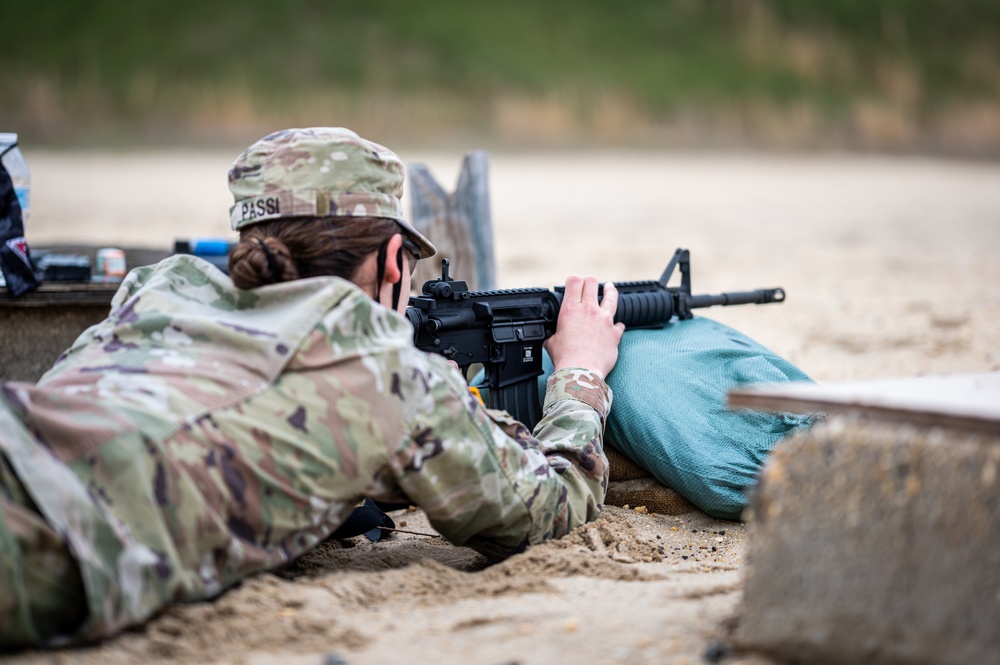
(319, 172)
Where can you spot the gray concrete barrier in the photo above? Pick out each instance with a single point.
(875, 542)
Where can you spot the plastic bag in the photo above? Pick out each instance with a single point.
(15, 257)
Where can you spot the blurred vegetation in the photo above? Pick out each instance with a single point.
(883, 74)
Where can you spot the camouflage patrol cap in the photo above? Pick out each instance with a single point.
(321, 172)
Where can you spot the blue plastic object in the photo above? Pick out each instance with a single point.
(210, 246)
(213, 250)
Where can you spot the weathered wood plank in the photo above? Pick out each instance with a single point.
(969, 401)
(63, 293)
(459, 224)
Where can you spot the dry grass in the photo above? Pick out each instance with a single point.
(892, 117)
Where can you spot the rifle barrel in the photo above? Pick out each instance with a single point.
(756, 297)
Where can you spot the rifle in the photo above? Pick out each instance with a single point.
(504, 329)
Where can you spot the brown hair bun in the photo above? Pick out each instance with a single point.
(259, 260)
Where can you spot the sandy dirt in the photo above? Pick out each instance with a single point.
(891, 270)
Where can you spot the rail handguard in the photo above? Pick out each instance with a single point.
(504, 330)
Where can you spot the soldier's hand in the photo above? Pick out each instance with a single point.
(586, 335)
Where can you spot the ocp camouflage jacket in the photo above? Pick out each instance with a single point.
(202, 433)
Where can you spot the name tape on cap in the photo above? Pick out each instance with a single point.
(272, 206)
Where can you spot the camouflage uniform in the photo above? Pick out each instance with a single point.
(203, 433)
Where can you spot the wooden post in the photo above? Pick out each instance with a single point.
(458, 224)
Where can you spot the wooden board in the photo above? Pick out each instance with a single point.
(63, 293)
(969, 401)
(459, 223)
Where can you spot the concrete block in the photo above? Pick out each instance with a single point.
(875, 542)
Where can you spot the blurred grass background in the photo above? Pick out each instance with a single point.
(886, 75)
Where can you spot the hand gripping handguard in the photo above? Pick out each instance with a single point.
(503, 330)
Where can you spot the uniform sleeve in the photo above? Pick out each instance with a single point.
(488, 483)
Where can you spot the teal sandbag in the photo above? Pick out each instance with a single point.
(669, 410)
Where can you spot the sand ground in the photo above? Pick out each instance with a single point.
(891, 270)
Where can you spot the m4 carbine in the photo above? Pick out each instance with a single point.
(504, 330)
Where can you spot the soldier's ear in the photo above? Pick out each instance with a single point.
(393, 260)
